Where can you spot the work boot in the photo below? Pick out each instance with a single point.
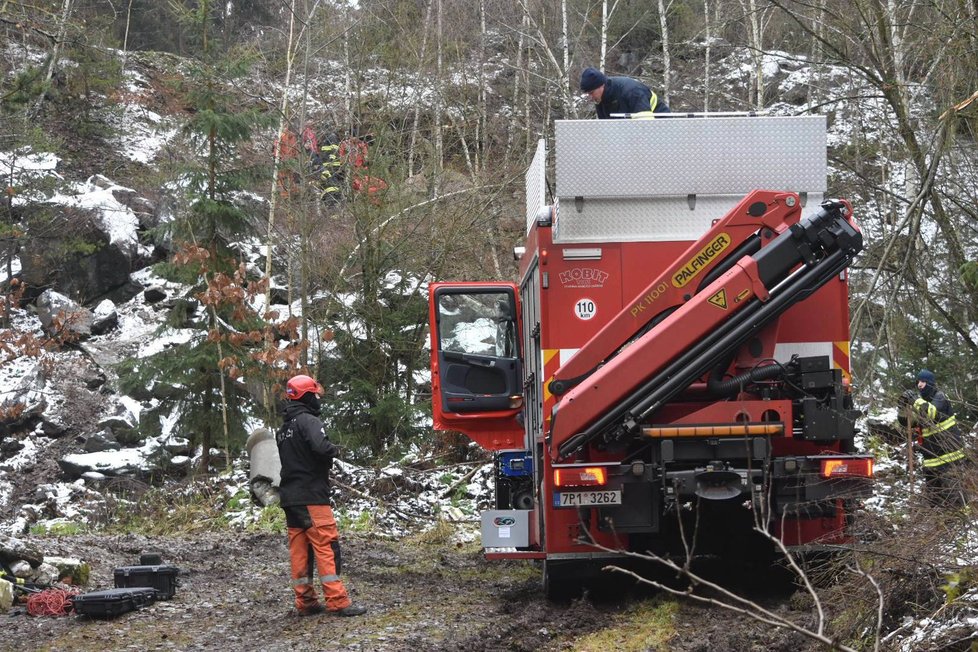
(313, 610)
(352, 610)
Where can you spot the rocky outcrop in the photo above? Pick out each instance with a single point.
(60, 315)
(81, 263)
(89, 242)
(125, 462)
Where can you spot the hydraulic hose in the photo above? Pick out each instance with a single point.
(719, 388)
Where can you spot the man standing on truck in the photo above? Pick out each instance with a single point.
(614, 95)
(938, 438)
(307, 456)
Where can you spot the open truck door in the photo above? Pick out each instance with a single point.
(476, 366)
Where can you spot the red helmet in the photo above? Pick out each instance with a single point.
(297, 387)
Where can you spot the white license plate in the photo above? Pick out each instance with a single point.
(586, 498)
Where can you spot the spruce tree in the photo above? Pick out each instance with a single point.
(207, 373)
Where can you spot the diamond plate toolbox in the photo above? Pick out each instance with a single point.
(668, 178)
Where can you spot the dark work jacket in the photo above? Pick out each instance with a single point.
(307, 457)
(627, 95)
(940, 436)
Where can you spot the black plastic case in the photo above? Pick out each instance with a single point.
(161, 578)
(112, 602)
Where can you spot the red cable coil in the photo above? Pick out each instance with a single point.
(51, 602)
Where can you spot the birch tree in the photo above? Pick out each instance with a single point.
(666, 58)
(55, 54)
(928, 236)
(708, 38)
(754, 14)
(439, 142)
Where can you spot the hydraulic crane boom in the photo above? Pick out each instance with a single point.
(705, 329)
(745, 229)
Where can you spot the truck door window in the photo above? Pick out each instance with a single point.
(477, 324)
(478, 355)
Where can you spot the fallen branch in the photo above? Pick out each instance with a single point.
(407, 516)
(455, 485)
(744, 606)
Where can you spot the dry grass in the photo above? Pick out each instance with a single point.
(646, 627)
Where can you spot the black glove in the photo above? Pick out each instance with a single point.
(907, 398)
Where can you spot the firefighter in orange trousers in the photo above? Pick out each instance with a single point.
(307, 457)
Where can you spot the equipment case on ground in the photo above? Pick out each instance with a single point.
(161, 578)
(112, 602)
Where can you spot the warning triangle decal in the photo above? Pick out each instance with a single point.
(719, 299)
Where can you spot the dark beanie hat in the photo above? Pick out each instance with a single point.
(592, 78)
(927, 376)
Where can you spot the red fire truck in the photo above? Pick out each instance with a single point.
(673, 362)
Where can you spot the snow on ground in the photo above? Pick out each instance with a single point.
(146, 134)
(393, 501)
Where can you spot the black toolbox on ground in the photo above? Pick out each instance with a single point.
(162, 578)
(112, 602)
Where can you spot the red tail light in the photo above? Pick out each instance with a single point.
(583, 476)
(848, 468)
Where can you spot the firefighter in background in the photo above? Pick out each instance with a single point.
(341, 167)
(620, 95)
(286, 148)
(331, 170)
(938, 438)
(307, 457)
(353, 152)
(311, 146)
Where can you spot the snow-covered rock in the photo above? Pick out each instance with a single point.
(59, 314)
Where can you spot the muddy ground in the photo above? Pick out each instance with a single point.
(234, 595)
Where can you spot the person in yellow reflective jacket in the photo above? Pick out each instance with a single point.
(939, 439)
(330, 169)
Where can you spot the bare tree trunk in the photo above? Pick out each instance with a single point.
(11, 244)
(466, 151)
(412, 151)
(709, 44)
(898, 55)
(55, 54)
(517, 78)
(439, 142)
(666, 62)
(569, 108)
(277, 160)
(562, 72)
(604, 33)
(818, 26)
(481, 125)
(224, 397)
(757, 43)
(347, 77)
(527, 147)
(125, 39)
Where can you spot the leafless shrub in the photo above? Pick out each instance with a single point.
(913, 558)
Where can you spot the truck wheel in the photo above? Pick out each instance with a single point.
(560, 585)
